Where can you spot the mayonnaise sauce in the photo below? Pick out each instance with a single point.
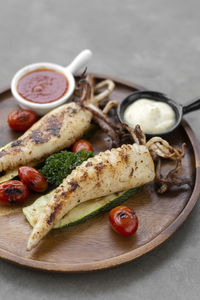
(152, 116)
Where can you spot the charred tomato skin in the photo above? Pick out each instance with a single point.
(82, 145)
(21, 119)
(123, 220)
(13, 192)
(33, 179)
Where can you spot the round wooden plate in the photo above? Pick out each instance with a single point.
(93, 245)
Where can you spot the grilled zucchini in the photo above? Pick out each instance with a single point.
(80, 213)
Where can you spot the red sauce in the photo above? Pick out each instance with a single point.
(42, 86)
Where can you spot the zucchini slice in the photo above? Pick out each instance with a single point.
(10, 174)
(81, 212)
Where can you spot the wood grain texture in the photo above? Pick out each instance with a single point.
(93, 245)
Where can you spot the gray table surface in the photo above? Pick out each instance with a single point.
(154, 43)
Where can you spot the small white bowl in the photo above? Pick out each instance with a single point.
(41, 109)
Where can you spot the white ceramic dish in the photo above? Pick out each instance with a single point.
(76, 65)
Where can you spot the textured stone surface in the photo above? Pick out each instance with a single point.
(154, 43)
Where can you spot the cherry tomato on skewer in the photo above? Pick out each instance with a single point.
(82, 145)
(33, 179)
(21, 120)
(13, 192)
(123, 220)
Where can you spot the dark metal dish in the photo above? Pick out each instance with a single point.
(179, 109)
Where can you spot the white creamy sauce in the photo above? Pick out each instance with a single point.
(152, 116)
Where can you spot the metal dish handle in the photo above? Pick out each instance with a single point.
(194, 105)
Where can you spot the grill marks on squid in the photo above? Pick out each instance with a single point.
(50, 127)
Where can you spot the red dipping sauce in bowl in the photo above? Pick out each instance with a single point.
(42, 86)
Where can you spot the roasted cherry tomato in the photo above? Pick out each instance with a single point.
(13, 192)
(33, 179)
(21, 120)
(82, 145)
(123, 220)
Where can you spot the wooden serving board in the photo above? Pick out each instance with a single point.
(93, 245)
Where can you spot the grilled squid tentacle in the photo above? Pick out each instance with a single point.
(105, 124)
(160, 148)
(109, 105)
(137, 134)
(86, 90)
(105, 83)
(90, 102)
(94, 98)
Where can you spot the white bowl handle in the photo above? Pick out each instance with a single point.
(80, 61)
